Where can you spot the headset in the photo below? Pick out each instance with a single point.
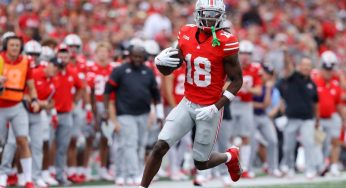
(5, 43)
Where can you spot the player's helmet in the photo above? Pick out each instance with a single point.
(47, 53)
(151, 47)
(210, 13)
(32, 47)
(329, 57)
(246, 46)
(73, 40)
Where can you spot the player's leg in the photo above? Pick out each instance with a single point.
(307, 139)
(205, 138)
(72, 148)
(62, 140)
(142, 122)
(129, 133)
(268, 131)
(36, 145)
(290, 140)
(178, 123)
(334, 132)
(20, 126)
(103, 147)
(8, 155)
(247, 132)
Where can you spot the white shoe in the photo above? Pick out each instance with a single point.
(334, 170)
(104, 175)
(178, 176)
(120, 181)
(40, 183)
(310, 175)
(3, 180)
(291, 173)
(49, 179)
(285, 169)
(162, 173)
(276, 173)
(21, 180)
(138, 181)
(226, 180)
(130, 182)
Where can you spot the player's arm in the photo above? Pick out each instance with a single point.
(288, 65)
(234, 73)
(33, 95)
(168, 90)
(156, 97)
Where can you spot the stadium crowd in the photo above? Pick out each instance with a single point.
(72, 47)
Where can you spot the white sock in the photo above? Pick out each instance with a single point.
(229, 157)
(80, 170)
(72, 171)
(245, 152)
(27, 168)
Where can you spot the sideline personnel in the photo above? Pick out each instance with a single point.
(16, 77)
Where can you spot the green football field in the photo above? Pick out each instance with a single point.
(262, 182)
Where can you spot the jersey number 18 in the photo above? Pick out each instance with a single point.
(198, 71)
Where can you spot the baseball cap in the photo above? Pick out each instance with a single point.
(57, 62)
(268, 68)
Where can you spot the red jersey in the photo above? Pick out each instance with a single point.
(97, 78)
(178, 84)
(205, 75)
(65, 82)
(44, 86)
(251, 78)
(329, 94)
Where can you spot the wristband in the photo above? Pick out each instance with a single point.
(159, 111)
(53, 112)
(88, 107)
(228, 95)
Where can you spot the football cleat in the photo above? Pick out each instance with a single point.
(233, 165)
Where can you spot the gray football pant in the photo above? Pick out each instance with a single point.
(305, 129)
(332, 128)
(62, 136)
(19, 120)
(36, 144)
(223, 142)
(131, 145)
(267, 130)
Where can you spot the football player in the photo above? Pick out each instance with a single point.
(97, 78)
(210, 54)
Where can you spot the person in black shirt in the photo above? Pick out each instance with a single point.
(300, 97)
(135, 87)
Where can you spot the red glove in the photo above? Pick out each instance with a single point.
(54, 120)
(89, 114)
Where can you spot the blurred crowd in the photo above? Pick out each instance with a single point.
(86, 33)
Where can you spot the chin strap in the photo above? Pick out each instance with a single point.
(216, 41)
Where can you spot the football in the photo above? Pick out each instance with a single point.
(168, 70)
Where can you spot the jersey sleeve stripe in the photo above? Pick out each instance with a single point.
(228, 49)
(232, 44)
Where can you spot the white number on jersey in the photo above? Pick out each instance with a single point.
(100, 84)
(179, 88)
(201, 75)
